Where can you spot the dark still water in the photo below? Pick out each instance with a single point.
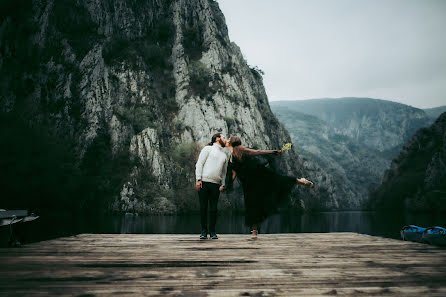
(372, 223)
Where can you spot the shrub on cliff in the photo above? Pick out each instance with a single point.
(193, 42)
(184, 157)
(139, 117)
(200, 77)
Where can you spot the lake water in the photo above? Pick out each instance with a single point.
(372, 223)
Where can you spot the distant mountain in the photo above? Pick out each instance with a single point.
(435, 112)
(346, 170)
(416, 179)
(346, 144)
(379, 124)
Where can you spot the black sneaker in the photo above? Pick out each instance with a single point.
(204, 235)
(214, 235)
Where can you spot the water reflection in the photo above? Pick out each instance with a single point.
(373, 223)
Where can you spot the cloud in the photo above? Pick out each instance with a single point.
(395, 49)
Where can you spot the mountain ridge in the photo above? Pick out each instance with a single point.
(364, 113)
(435, 112)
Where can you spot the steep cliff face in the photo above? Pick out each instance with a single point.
(144, 83)
(416, 179)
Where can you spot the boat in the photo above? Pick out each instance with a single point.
(8, 218)
(412, 233)
(432, 235)
(435, 235)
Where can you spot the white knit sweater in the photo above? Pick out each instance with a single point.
(212, 165)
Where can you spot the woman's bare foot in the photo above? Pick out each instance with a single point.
(305, 182)
(254, 234)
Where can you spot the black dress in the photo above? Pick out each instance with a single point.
(263, 189)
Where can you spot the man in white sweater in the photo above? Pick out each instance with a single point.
(210, 172)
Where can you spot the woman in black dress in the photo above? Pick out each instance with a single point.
(263, 189)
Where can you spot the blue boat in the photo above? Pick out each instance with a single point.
(412, 233)
(435, 235)
(431, 235)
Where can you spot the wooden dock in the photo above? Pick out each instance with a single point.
(306, 264)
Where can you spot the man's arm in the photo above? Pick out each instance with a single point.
(200, 163)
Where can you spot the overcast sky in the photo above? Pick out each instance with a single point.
(386, 49)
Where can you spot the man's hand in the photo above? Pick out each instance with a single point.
(276, 152)
(198, 185)
(222, 188)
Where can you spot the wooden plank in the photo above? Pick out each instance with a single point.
(306, 264)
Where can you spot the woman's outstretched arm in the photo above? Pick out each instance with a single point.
(261, 152)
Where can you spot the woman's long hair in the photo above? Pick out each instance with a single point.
(239, 149)
(214, 138)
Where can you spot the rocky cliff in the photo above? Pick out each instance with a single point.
(129, 91)
(416, 179)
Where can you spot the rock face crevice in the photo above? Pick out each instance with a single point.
(153, 80)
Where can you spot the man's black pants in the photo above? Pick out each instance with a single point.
(208, 195)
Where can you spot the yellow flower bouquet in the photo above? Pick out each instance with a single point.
(286, 147)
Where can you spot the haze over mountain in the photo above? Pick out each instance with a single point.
(435, 112)
(379, 124)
